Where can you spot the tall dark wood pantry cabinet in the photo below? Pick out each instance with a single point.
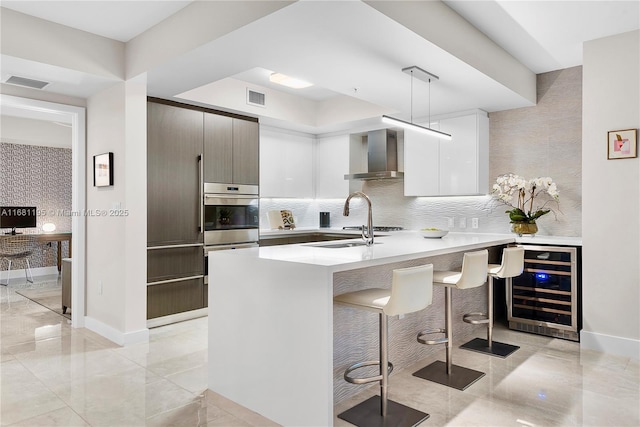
(175, 268)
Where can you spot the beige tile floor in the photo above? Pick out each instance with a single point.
(53, 375)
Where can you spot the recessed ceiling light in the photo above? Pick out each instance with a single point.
(285, 80)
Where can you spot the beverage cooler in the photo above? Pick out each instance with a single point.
(546, 298)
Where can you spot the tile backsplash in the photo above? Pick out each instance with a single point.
(392, 208)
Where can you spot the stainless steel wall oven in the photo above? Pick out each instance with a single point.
(231, 214)
(230, 218)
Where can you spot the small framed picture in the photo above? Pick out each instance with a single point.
(103, 170)
(622, 144)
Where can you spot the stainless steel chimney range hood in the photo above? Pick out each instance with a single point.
(382, 157)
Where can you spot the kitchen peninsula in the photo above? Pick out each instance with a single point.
(272, 325)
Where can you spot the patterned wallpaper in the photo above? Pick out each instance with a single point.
(38, 176)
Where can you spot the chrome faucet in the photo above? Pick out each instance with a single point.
(367, 235)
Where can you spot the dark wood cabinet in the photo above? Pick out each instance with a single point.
(174, 144)
(218, 148)
(174, 262)
(187, 146)
(305, 238)
(175, 267)
(231, 150)
(172, 298)
(246, 158)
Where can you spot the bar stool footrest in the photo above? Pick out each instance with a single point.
(422, 340)
(367, 414)
(497, 349)
(366, 380)
(476, 318)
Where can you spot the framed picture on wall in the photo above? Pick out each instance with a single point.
(622, 144)
(103, 170)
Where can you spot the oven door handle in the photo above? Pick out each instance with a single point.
(230, 196)
(217, 199)
(231, 246)
(201, 192)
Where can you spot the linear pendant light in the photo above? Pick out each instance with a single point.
(424, 76)
(417, 128)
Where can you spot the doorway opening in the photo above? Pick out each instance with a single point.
(76, 117)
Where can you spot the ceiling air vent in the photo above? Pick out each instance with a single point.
(23, 81)
(255, 98)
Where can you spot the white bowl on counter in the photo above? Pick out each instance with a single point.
(433, 233)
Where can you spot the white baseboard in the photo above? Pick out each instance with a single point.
(610, 344)
(37, 271)
(112, 334)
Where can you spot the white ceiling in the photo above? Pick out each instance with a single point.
(346, 47)
(117, 20)
(548, 35)
(332, 45)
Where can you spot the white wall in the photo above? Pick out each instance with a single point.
(611, 194)
(105, 260)
(42, 133)
(116, 255)
(135, 201)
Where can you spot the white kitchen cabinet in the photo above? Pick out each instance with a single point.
(421, 164)
(332, 164)
(286, 164)
(435, 167)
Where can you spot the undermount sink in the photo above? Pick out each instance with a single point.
(340, 245)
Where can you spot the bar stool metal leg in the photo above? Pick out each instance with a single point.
(384, 361)
(411, 291)
(489, 346)
(446, 373)
(449, 328)
(380, 411)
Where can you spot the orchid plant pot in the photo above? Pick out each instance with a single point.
(524, 227)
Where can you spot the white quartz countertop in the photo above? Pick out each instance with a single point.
(389, 247)
(536, 240)
(393, 247)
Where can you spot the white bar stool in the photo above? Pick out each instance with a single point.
(512, 266)
(411, 291)
(472, 275)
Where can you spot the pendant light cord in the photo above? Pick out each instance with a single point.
(411, 96)
(429, 104)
